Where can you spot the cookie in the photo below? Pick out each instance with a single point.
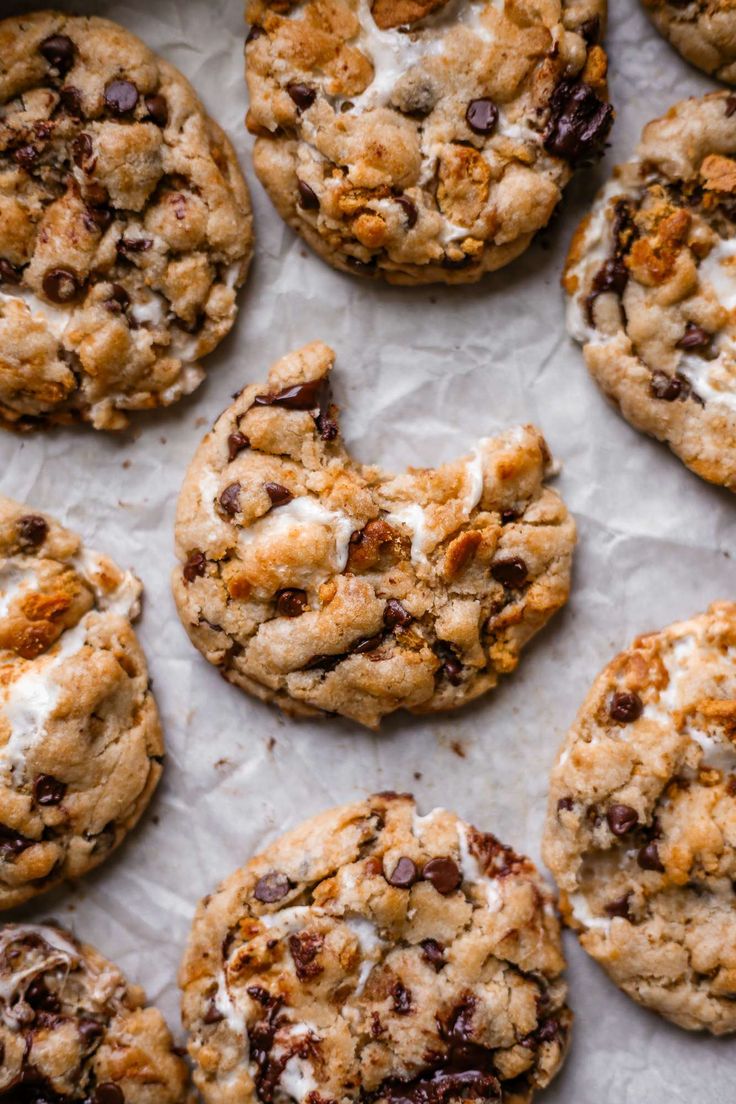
(373, 954)
(641, 828)
(703, 31)
(651, 280)
(80, 740)
(73, 1029)
(328, 586)
(423, 140)
(125, 225)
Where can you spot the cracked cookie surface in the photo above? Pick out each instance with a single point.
(73, 1029)
(328, 586)
(421, 140)
(641, 827)
(373, 954)
(80, 740)
(703, 31)
(125, 225)
(651, 276)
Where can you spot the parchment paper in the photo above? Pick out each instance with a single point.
(421, 375)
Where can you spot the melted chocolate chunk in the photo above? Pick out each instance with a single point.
(291, 602)
(433, 953)
(157, 110)
(451, 667)
(271, 887)
(579, 122)
(236, 442)
(614, 275)
(71, 100)
(482, 115)
(121, 97)
(366, 644)
(625, 706)
(83, 151)
(196, 565)
(26, 157)
(619, 907)
(312, 396)
(410, 211)
(302, 95)
(648, 857)
(308, 198)
(494, 858)
(48, 790)
(395, 616)
(512, 572)
(304, 947)
(404, 874)
(621, 819)
(278, 494)
(443, 873)
(119, 300)
(668, 388)
(108, 1093)
(59, 51)
(90, 1031)
(61, 285)
(262, 1035)
(229, 500)
(212, 1014)
(401, 999)
(695, 337)
(32, 531)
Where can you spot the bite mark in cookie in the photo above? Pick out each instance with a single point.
(423, 141)
(375, 978)
(328, 586)
(641, 828)
(80, 741)
(125, 225)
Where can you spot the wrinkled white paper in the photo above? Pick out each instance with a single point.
(420, 376)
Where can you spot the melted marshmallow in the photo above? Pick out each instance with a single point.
(282, 522)
(715, 380)
(57, 320)
(124, 600)
(371, 946)
(472, 872)
(14, 582)
(61, 953)
(583, 915)
(419, 823)
(414, 518)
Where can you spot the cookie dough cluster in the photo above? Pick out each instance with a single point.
(328, 586)
(423, 140)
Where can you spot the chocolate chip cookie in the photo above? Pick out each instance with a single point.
(641, 829)
(423, 140)
(373, 954)
(327, 586)
(703, 31)
(73, 1029)
(80, 741)
(125, 225)
(651, 277)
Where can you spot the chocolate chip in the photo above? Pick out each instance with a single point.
(667, 388)
(271, 887)
(456, 262)
(619, 907)
(157, 110)
(118, 300)
(32, 530)
(730, 105)
(212, 1014)
(48, 790)
(254, 33)
(565, 804)
(507, 516)
(621, 819)
(324, 662)
(482, 115)
(304, 947)
(9, 274)
(395, 616)
(236, 442)
(83, 150)
(590, 30)
(278, 494)
(12, 843)
(451, 667)
(107, 1092)
(433, 953)
(443, 874)
(511, 572)
(90, 1031)
(401, 998)
(229, 500)
(61, 285)
(308, 199)
(695, 337)
(648, 857)
(71, 100)
(26, 157)
(59, 51)
(613, 275)
(121, 97)
(367, 644)
(291, 602)
(196, 565)
(404, 874)
(409, 208)
(127, 246)
(625, 706)
(579, 121)
(302, 95)
(314, 396)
